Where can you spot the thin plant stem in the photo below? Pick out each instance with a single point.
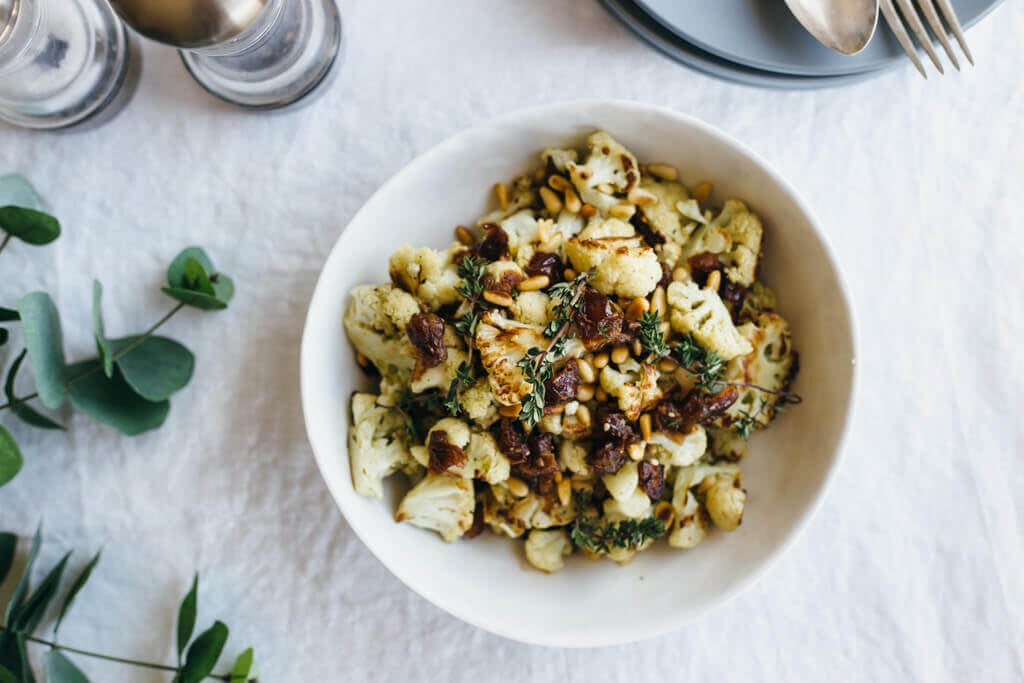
(5, 240)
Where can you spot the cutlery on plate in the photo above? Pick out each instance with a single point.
(913, 19)
(845, 26)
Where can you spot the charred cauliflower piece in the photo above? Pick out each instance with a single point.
(546, 550)
(608, 166)
(734, 235)
(700, 312)
(623, 266)
(769, 364)
(478, 403)
(375, 322)
(440, 376)
(376, 444)
(441, 503)
(502, 344)
(719, 486)
(678, 449)
(522, 195)
(635, 385)
(428, 274)
(663, 216)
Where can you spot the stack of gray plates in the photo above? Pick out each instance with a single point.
(758, 42)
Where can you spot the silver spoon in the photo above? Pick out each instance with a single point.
(845, 26)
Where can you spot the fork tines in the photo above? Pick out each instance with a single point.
(910, 15)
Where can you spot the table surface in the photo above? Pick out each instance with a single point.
(913, 568)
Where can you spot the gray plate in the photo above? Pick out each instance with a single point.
(671, 45)
(762, 34)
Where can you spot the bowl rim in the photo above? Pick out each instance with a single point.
(668, 623)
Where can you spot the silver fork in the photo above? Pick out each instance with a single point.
(913, 19)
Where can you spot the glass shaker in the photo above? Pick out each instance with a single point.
(62, 62)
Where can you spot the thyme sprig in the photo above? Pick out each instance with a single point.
(471, 288)
(629, 534)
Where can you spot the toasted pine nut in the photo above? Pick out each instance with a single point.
(572, 407)
(663, 171)
(642, 197)
(362, 360)
(463, 235)
(532, 284)
(544, 229)
(583, 416)
(551, 201)
(551, 244)
(539, 174)
(587, 374)
(605, 188)
(510, 411)
(663, 511)
(638, 348)
(636, 451)
(564, 491)
(559, 183)
(664, 327)
(620, 354)
(702, 192)
(585, 393)
(666, 365)
(600, 394)
(588, 210)
(645, 426)
(573, 204)
(600, 360)
(680, 274)
(498, 298)
(714, 280)
(569, 274)
(517, 487)
(622, 210)
(637, 308)
(501, 192)
(658, 302)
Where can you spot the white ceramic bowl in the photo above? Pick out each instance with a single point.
(486, 581)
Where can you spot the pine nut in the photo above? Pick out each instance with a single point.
(572, 407)
(565, 491)
(622, 210)
(463, 235)
(663, 171)
(645, 426)
(658, 301)
(551, 201)
(362, 360)
(620, 354)
(539, 174)
(498, 298)
(605, 188)
(636, 308)
(588, 210)
(680, 274)
(559, 183)
(664, 327)
(544, 230)
(636, 451)
(569, 274)
(587, 374)
(510, 411)
(714, 280)
(551, 244)
(501, 192)
(573, 204)
(517, 487)
(532, 284)
(585, 393)
(642, 197)
(583, 416)
(600, 394)
(638, 348)
(666, 365)
(600, 360)
(702, 192)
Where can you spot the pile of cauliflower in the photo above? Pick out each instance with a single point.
(649, 245)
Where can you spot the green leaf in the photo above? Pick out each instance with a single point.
(156, 368)
(243, 670)
(177, 271)
(196, 278)
(28, 225)
(16, 190)
(3, 336)
(102, 345)
(76, 587)
(187, 616)
(10, 457)
(7, 677)
(8, 544)
(22, 410)
(112, 401)
(23, 583)
(45, 344)
(60, 669)
(203, 653)
(29, 615)
(14, 657)
(8, 315)
(197, 299)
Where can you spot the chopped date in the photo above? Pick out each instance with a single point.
(511, 440)
(562, 388)
(546, 264)
(652, 479)
(702, 265)
(510, 279)
(598, 321)
(443, 453)
(666, 275)
(541, 460)
(608, 458)
(494, 245)
(426, 332)
(612, 425)
(701, 408)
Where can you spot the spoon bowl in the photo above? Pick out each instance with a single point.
(845, 26)
(189, 24)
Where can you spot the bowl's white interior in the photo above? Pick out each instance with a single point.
(485, 581)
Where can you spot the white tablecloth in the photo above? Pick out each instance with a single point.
(912, 570)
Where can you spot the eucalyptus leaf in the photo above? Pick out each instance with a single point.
(195, 299)
(28, 225)
(177, 271)
(21, 590)
(196, 278)
(22, 410)
(192, 271)
(156, 367)
(29, 615)
(60, 669)
(244, 669)
(45, 343)
(203, 654)
(11, 461)
(7, 677)
(112, 401)
(8, 315)
(102, 345)
(187, 616)
(223, 287)
(76, 587)
(16, 190)
(8, 545)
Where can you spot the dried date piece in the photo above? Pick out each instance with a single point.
(562, 388)
(598, 321)
(611, 425)
(511, 440)
(702, 265)
(443, 453)
(494, 245)
(546, 264)
(652, 478)
(541, 460)
(700, 408)
(608, 458)
(426, 332)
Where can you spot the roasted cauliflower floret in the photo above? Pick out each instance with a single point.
(635, 385)
(700, 312)
(676, 448)
(375, 322)
(734, 235)
(719, 486)
(478, 403)
(690, 523)
(512, 515)
(484, 460)
(559, 158)
(441, 503)
(532, 308)
(376, 444)
(663, 216)
(608, 166)
(502, 344)
(623, 483)
(726, 444)
(546, 550)
(440, 376)
(599, 227)
(636, 505)
(522, 195)
(521, 228)
(769, 364)
(572, 456)
(426, 273)
(623, 266)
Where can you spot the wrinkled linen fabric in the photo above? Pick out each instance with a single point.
(913, 568)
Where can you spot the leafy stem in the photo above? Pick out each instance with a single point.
(629, 534)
